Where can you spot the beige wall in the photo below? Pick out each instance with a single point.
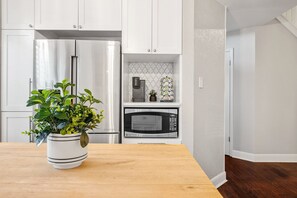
(209, 101)
(265, 89)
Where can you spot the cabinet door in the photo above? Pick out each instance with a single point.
(13, 124)
(100, 15)
(56, 14)
(167, 26)
(17, 14)
(137, 26)
(17, 69)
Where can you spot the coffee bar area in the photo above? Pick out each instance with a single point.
(151, 90)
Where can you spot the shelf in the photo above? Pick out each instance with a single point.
(152, 104)
(151, 140)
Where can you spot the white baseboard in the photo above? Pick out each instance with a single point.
(288, 158)
(219, 180)
(243, 155)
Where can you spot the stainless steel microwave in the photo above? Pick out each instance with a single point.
(151, 123)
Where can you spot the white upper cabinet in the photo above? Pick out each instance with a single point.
(152, 26)
(17, 14)
(167, 26)
(16, 69)
(13, 124)
(103, 15)
(56, 14)
(137, 26)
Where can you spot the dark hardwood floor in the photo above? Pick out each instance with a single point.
(269, 180)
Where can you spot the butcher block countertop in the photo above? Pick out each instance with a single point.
(110, 171)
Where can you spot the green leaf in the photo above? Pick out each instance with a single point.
(42, 114)
(66, 92)
(88, 91)
(89, 118)
(69, 97)
(41, 98)
(58, 85)
(84, 139)
(61, 115)
(32, 103)
(64, 81)
(35, 92)
(97, 101)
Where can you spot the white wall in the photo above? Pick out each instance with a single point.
(276, 90)
(209, 101)
(265, 89)
(188, 74)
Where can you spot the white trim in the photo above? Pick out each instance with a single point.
(228, 105)
(288, 158)
(219, 180)
(243, 155)
(288, 25)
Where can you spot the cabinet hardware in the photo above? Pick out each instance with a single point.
(30, 128)
(155, 50)
(30, 25)
(80, 27)
(30, 86)
(148, 50)
(74, 26)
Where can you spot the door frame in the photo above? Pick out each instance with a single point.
(229, 67)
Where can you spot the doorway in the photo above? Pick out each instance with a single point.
(229, 101)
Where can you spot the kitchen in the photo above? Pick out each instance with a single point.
(148, 43)
(51, 50)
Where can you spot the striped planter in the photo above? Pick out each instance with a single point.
(65, 151)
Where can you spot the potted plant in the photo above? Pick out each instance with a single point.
(153, 96)
(64, 123)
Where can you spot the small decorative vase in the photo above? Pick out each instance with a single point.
(167, 90)
(65, 151)
(153, 98)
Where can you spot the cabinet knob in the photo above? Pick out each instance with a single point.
(30, 25)
(74, 26)
(155, 50)
(80, 27)
(148, 50)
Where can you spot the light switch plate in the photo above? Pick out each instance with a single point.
(200, 82)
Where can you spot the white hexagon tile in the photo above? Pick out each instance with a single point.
(152, 73)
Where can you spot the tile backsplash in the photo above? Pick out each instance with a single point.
(152, 74)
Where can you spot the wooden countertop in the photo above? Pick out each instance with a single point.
(110, 171)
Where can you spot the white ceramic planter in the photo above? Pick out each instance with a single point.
(65, 151)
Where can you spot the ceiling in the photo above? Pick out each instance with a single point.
(247, 13)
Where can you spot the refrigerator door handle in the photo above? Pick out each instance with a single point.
(30, 86)
(73, 74)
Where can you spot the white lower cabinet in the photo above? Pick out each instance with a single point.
(13, 124)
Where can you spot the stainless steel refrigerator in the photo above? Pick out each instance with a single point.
(90, 64)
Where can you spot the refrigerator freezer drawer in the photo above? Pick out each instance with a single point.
(104, 138)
